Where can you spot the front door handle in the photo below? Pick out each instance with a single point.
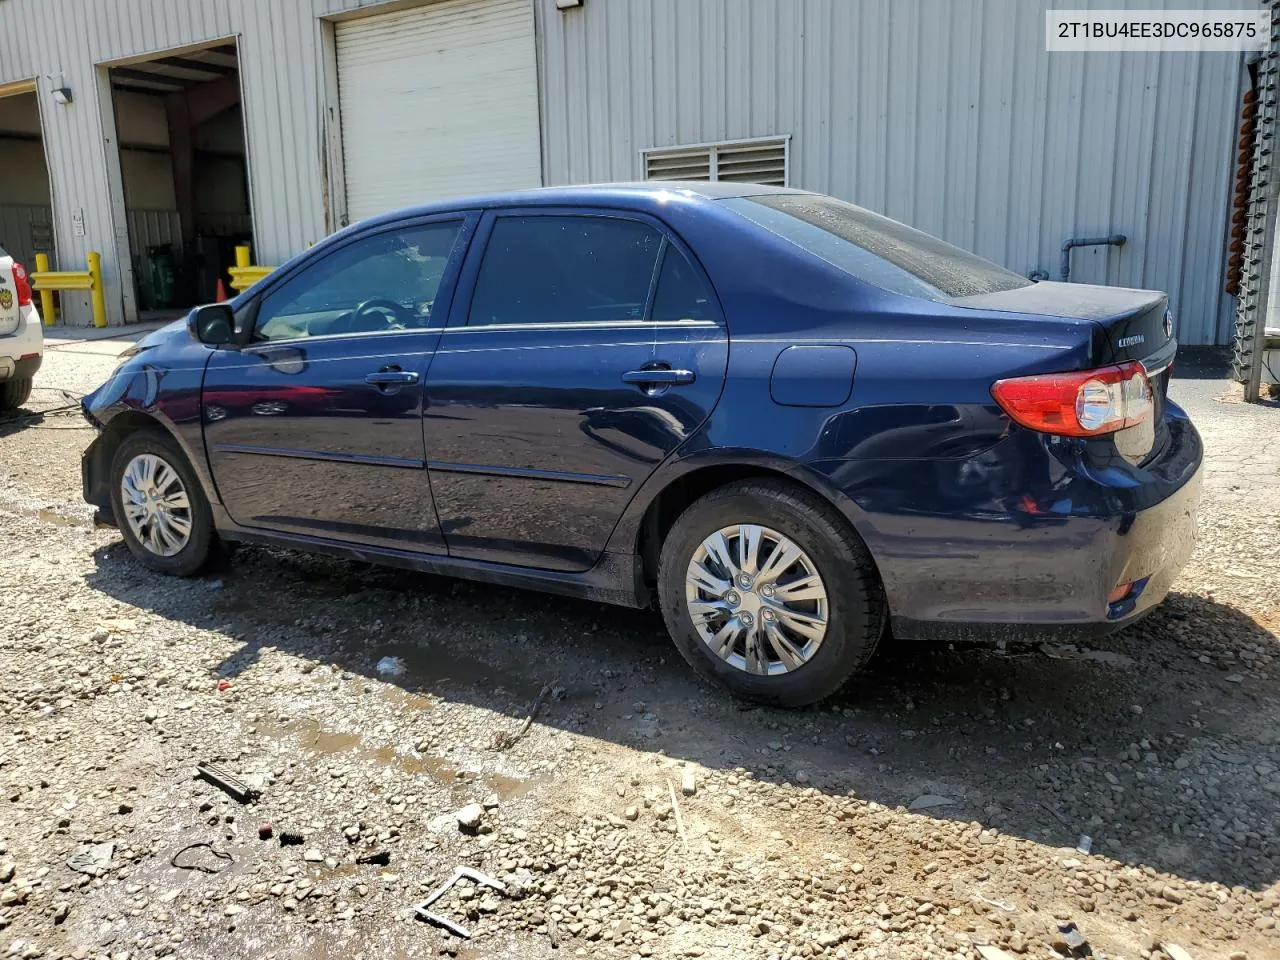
(659, 377)
(391, 377)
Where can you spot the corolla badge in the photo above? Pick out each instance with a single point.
(1168, 323)
(1131, 341)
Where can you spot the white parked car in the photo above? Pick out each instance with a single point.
(21, 337)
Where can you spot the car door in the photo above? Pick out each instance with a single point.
(586, 347)
(314, 426)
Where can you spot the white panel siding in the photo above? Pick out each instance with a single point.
(457, 83)
(947, 115)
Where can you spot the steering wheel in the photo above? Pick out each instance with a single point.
(394, 315)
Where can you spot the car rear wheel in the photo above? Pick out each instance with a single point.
(159, 506)
(14, 393)
(766, 590)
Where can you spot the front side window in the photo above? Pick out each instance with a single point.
(875, 249)
(565, 269)
(388, 281)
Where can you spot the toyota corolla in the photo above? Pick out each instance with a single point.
(792, 424)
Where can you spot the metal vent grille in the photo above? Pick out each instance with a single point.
(737, 161)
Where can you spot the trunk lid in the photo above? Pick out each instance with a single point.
(1129, 324)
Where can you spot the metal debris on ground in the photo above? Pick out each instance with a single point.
(379, 858)
(553, 932)
(94, 860)
(505, 741)
(1004, 905)
(675, 808)
(927, 801)
(232, 786)
(459, 873)
(202, 867)
(1069, 935)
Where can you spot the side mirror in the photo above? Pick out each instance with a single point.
(214, 324)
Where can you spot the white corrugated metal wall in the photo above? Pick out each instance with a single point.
(947, 114)
(63, 42)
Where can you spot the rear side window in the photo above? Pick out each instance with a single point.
(681, 293)
(875, 249)
(565, 269)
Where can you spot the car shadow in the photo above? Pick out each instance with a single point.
(1127, 743)
(18, 420)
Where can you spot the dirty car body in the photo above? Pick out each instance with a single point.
(491, 423)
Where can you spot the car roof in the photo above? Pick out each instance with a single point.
(631, 195)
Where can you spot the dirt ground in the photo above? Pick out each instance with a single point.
(641, 814)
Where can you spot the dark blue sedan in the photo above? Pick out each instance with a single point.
(789, 421)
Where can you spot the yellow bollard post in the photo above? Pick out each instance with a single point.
(97, 294)
(243, 255)
(47, 308)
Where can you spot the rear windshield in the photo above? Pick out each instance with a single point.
(875, 249)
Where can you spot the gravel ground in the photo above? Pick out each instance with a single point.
(640, 814)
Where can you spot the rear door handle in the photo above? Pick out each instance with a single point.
(659, 377)
(385, 377)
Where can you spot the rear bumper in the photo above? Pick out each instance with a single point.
(1032, 536)
(23, 368)
(1147, 549)
(22, 351)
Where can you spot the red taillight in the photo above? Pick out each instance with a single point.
(21, 283)
(1084, 403)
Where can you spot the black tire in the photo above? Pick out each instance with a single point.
(14, 393)
(193, 556)
(856, 608)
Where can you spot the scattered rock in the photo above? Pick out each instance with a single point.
(94, 860)
(469, 817)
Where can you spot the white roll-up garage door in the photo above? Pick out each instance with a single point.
(438, 101)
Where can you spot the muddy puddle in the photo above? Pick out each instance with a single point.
(49, 515)
(319, 741)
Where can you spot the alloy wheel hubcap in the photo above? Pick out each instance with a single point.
(756, 599)
(156, 505)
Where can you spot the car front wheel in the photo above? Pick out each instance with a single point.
(766, 590)
(159, 506)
